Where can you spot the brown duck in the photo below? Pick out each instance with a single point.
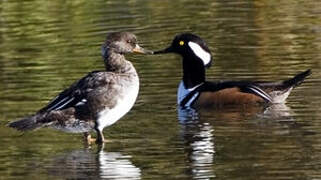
(97, 100)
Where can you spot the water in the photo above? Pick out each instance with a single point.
(47, 45)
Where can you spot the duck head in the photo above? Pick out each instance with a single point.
(122, 43)
(196, 57)
(191, 47)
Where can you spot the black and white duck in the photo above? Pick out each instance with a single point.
(194, 91)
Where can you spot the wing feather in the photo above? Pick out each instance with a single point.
(245, 86)
(76, 94)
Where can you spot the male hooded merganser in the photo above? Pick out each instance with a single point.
(97, 100)
(195, 91)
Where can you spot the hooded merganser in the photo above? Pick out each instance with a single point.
(97, 100)
(195, 91)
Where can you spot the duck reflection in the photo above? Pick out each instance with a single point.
(274, 111)
(277, 111)
(88, 164)
(198, 134)
(199, 142)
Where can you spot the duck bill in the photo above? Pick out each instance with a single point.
(164, 51)
(141, 50)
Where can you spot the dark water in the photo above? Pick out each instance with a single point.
(46, 45)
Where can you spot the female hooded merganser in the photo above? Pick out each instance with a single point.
(195, 91)
(97, 100)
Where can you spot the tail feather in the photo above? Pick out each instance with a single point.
(279, 91)
(28, 123)
(298, 79)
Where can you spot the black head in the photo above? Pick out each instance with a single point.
(191, 47)
(122, 43)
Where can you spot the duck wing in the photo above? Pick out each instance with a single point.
(76, 94)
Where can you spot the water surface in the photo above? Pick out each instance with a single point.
(47, 45)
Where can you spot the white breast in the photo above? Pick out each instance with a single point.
(108, 116)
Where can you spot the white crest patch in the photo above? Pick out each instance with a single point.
(200, 52)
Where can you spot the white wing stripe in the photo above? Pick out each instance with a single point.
(58, 108)
(261, 93)
(82, 102)
(58, 103)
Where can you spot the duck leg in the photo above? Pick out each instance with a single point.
(88, 139)
(100, 137)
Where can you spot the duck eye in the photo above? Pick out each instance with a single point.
(181, 43)
(129, 41)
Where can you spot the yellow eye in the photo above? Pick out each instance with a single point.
(181, 43)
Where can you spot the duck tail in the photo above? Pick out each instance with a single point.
(298, 79)
(28, 123)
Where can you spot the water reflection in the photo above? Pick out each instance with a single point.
(199, 141)
(46, 45)
(87, 164)
(274, 111)
(198, 133)
(277, 111)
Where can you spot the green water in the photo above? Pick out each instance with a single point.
(47, 45)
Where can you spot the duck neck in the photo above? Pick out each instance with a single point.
(193, 72)
(116, 62)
